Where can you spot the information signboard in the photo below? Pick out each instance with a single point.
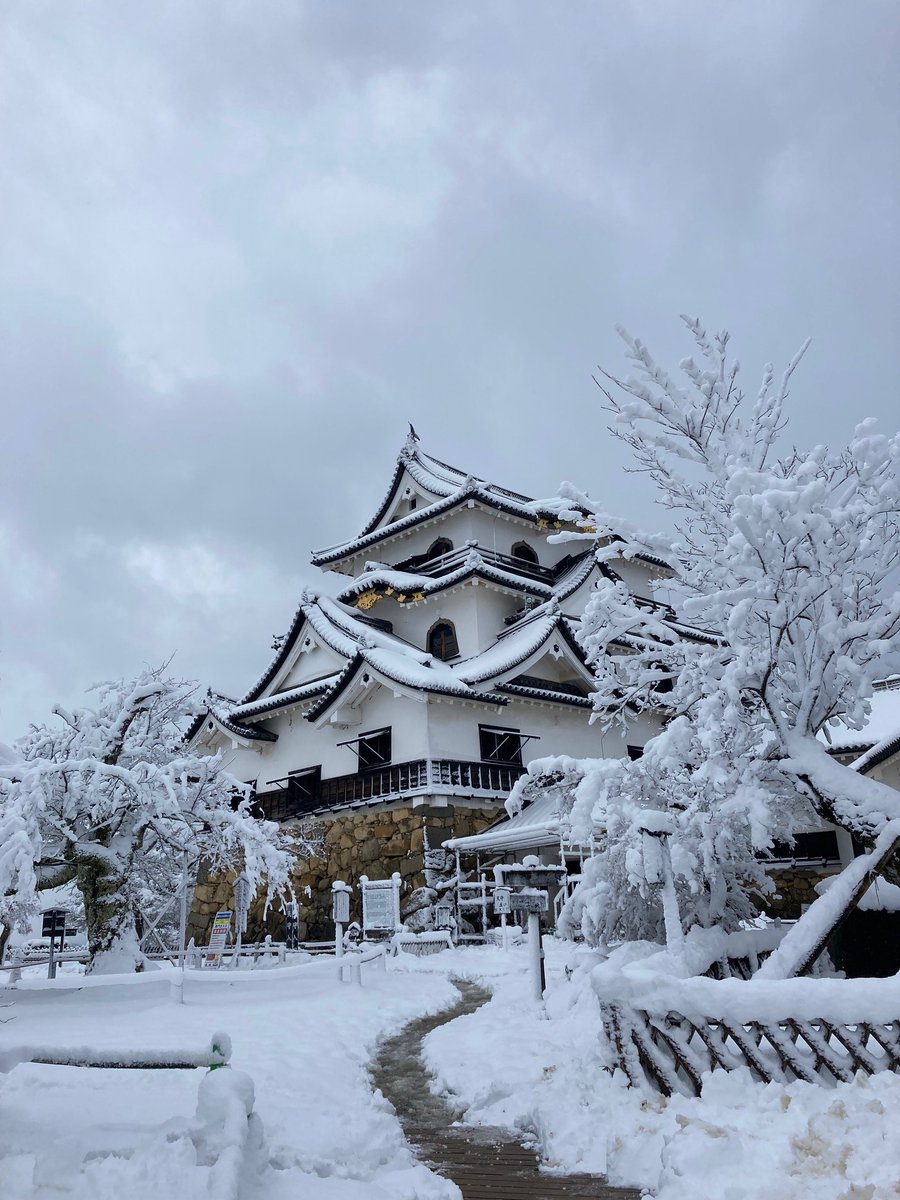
(380, 904)
(340, 901)
(501, 901)
(221, 927)
(531, 902)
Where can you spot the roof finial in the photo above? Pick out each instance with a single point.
(413, 436)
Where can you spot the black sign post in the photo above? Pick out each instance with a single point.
(54, 922)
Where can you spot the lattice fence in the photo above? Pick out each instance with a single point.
(673, 1052)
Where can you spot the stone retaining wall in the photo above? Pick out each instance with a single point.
(796, 886)
(355, 843)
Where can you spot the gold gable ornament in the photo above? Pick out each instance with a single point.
(367, 600)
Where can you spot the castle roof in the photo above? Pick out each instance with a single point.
(447, 486)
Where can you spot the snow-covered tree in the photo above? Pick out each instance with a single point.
(787, 557)
(109, 795)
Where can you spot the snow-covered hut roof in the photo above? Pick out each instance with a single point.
(536, 825)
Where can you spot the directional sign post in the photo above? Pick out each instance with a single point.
(340, 911)
(502, 909)
(533, 902)
(54, 922)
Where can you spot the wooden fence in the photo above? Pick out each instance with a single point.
(673, 1051)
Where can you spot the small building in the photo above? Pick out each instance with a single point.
(400, 712)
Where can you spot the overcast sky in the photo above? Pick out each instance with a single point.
(242, 244)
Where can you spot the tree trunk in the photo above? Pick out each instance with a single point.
(112, 937)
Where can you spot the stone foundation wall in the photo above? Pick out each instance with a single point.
(796, 887)
(369, 843)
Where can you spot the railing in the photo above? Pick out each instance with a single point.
(292, 797)
(445, 564)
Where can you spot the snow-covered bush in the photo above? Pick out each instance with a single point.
(787, 559)
(112, 794)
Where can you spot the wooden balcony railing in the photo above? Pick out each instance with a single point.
(296, 796)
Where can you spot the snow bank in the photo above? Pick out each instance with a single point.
(303, 1039)
(548, 1079)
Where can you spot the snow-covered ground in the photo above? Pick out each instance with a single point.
(305, 1041)
(510, 1065)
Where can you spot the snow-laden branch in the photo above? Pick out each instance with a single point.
(112, 791)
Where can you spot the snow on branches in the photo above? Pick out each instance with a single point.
(111, 786)
(784, 561)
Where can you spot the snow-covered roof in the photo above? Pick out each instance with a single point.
(433, 476)
(883, 725)
(450, 488)
(473, 563)
(294, 695)
(536, 825)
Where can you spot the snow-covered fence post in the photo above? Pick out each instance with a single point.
(656, 828)
(17, 955)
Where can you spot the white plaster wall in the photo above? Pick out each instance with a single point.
(477, 614)
(311, 664)
(453, 731)
(640, 578)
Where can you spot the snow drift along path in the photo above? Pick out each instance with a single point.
(305, 1041)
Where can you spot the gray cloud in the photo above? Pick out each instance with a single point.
(242, 245)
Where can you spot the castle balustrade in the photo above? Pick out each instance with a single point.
(303, 794)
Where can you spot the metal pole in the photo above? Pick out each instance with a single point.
(51, 966)
(182, 915)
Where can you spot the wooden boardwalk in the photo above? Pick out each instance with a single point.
(486, 1164)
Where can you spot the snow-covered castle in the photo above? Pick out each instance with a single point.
(401, 712)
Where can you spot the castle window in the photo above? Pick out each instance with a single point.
(500, 745)
(441, 546)
(442, 641)
(374, 749)
(525, 553)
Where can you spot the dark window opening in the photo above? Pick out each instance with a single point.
(303, 788)
(441, 546)
(442, 641)
(820, 844)
(635, 752)
(374, 749)
(412, 503)
(525, 553)
(500, 745)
